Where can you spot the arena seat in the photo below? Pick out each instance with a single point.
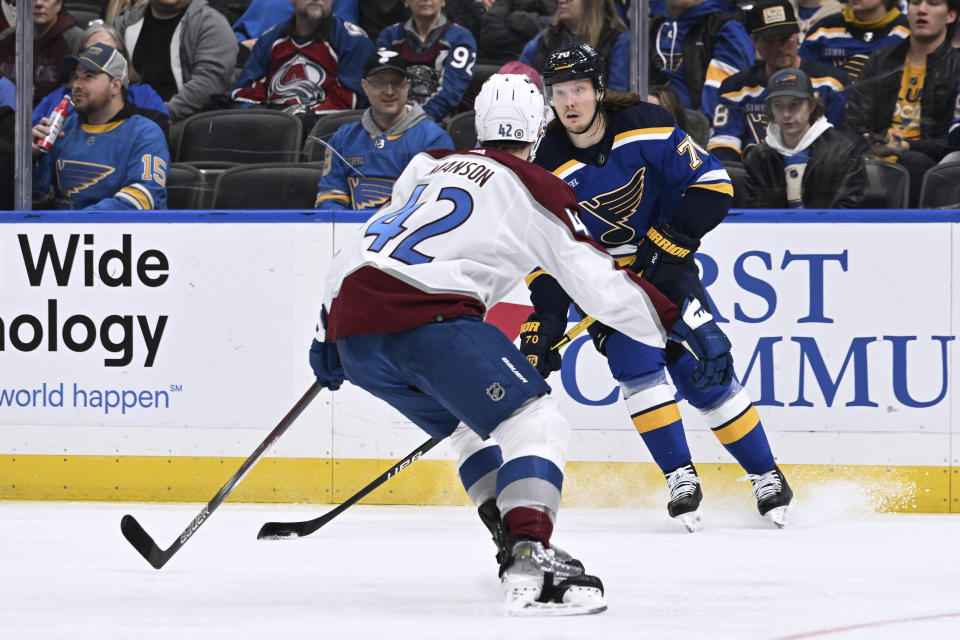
(888, 185)
(463, 131)
(941, 186)
(273, 185)
(186, 187)
(324, 129)
(246, 136)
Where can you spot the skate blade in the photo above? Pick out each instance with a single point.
(691, 520)
(778, 516)
(577, 602)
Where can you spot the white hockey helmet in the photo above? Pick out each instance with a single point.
(509, 107)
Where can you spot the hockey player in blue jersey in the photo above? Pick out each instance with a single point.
(363, 159)
(649, 193)
(108, 156)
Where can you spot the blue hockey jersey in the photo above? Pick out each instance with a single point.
(843, 41)
(366, 162)
(440, 67)
(118, 165)
(636, 177)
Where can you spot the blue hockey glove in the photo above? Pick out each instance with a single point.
(325, 361)
(663, 245)
(537, 335)
(697, 331)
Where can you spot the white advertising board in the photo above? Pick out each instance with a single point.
(843, 332)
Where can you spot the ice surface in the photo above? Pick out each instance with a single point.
(428, 572)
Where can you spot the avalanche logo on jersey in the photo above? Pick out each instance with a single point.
(300, 78)
(75, 176)
(615, 208)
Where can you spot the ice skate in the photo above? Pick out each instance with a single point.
(537, 582)
(490, 516)
(685, 497)
(773, 495)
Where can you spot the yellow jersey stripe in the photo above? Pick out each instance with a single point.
(656, 418)
(142, 189)
(101, 128)
(720, 187)
(566, 168)
(738, 427)
(141, 200)
(331, 195)
(536, 274)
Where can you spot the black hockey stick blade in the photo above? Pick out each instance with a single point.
(137, 536)
(142, 542)
(287, 530)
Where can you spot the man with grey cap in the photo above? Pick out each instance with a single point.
(107, 155)
(803, 161)
(363, 159)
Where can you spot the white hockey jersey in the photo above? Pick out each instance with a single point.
(461, 231)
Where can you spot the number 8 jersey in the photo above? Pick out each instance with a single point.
(461, 231)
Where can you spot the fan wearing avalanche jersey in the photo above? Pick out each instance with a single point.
(311, 63)
(649, 193)
(403, 314)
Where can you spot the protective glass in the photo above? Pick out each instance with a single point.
(572, 92)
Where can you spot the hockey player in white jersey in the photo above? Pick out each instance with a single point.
(403, 316)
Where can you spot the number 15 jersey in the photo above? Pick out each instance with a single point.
(461, 231)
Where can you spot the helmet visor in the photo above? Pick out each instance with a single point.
(572, 92)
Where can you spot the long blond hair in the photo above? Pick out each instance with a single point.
(116, 7)
(595, 14)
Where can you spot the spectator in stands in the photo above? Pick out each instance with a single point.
(363, 159)
(739, 123)
(593, 22)
(55, 36)
(803, 162)
(108, 156)
(903, 103)
(184, 49)
(508, 25)
(263, 14)
(309, 65)
(847, 39)
(139, 95)
(440, 55)
(377, 15)
(695, 46)
(667, 98)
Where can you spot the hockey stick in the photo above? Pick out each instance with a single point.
(157, 557)
(285, 530)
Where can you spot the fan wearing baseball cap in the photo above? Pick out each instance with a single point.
(803, 161)
(739, 123)
(108, 155)
(363, 159)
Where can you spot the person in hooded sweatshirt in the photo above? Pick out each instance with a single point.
(55, 36)
(803, 162)
(694, 46)
(364, 158)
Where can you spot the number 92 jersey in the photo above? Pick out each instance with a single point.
(461, 231)
(635, 176)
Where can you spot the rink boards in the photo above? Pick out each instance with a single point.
(144, 356)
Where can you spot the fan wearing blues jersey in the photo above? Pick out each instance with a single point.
(108, 156)
(649, 193)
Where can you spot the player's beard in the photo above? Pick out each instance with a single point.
(312, 14)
